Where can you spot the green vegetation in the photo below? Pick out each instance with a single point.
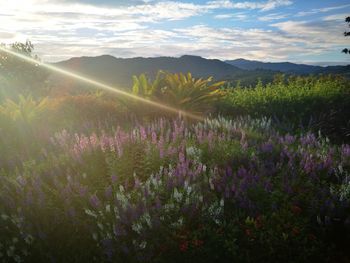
(18, 77)
(319, 103)
(92, 177)
(180, 91)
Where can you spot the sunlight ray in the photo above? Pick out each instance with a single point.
(102, 85)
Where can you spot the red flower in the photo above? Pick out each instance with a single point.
(312, 237)
(197, 242)
(258, 222)
(295, 231)
(183, 246)
(296, 209)
(248, 232)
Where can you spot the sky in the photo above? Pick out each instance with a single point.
(301, 31)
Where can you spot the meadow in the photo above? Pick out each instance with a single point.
(93, 177)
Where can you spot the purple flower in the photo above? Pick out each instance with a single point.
(143, 133)
(114, 178)
(242, 173)
(267, 147)
(345, 150)
(94, 201)
(158, 204)
(108, 247)
(308, 139)
(109, 192)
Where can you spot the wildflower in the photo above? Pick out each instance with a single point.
(309, 139)
(267, 147)
(94, 201)
(295, 231)
(289, 139)
(183, 246)
(248, 232)
(296, 209)
(114, 178)
(82, 190)
(158, 204)
(109, 192)
(71, 212)
(197, 242)
(311, 237)
(143, 133)
(108, 248)
(154, 137)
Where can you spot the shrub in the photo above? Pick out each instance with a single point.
(71, 111)
(320, 103)
(182, 92)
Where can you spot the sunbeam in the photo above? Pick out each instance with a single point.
(102, 85)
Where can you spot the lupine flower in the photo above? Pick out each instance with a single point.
(267, 147)
(109, 192)
(94, 201)
(114, 179)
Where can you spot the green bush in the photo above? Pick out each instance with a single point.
(320, 103)
(68, 111)
(180, 91)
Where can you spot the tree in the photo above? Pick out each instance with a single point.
(347, 33)
(18, 76)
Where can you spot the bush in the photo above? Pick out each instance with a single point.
(320, 103)
(71, 111)
(181, 92)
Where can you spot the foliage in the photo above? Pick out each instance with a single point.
(222, 190)
(346, 50)
(84, 108)
(320, 103)
(18, 76)
(26, 110)
(182, 92)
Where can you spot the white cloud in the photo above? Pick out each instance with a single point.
(337, 17)
(272, 17)
(233, 16)
(263, 6)
(321, 10)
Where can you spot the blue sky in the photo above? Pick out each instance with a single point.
(267, 30)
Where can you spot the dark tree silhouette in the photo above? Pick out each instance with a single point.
(347, 33)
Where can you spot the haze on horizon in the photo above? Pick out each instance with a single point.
(266, 30)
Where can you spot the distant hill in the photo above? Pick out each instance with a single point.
(287, 67)
(119, 71)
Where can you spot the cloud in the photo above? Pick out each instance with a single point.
(6, 35)
(336, 17)
(235, 16)
(321, 10)
(263, 6)
(272, 17)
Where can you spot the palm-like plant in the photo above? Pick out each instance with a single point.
(190, 94)
(146, 88)
(183, 92)
(26, 110)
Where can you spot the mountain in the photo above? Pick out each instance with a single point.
(287, 67)
(119, 71)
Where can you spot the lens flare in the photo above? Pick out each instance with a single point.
(102, 85)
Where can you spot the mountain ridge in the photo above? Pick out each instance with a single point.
(285, 67)
(119, 71)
